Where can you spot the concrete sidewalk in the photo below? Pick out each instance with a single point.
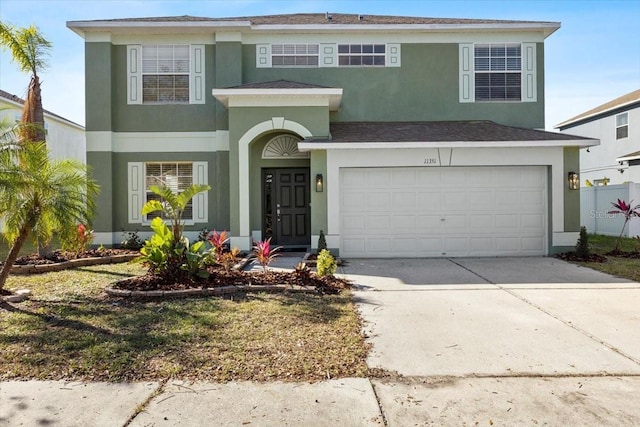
(508, 341)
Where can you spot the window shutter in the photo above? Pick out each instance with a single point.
(393, 55)
(135, 191)
(134, 74)
(197, 85)
(328, 55)
(201, 200)
(529, 80)
(467, 83)
(263, 56)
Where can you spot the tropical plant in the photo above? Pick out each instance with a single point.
(582, 246)
(629, 212)
(40, 196)
(173, 205)
(77, 240)
(157, 251)
(29, 50)
(229, 259)
(264, 253)
(217, 241)
(326, 264)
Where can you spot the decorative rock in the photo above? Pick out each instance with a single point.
(18, 296)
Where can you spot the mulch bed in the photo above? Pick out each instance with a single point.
(219, 278)
(572, 256)
(59, 256)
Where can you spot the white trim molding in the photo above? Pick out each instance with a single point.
(276, 123)
(239, 97)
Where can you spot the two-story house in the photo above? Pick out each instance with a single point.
(65, 139)
(617, 125)
(395, 136)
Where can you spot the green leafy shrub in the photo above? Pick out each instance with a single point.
(322, 242)
(77, 239)
(582, 246)
(326, 264)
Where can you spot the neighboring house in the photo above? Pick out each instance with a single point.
(65, 139)
(395, 136)
(617, 125)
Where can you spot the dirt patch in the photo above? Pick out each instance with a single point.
(572, 256)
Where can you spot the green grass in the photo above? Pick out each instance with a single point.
(626, 268)
(69, 329)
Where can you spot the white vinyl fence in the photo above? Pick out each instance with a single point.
(595, 204)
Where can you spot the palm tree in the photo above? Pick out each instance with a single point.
(29, 50)
(39, 196)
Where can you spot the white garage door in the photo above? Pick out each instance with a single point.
(443, 211)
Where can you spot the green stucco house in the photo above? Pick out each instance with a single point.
(395, 136)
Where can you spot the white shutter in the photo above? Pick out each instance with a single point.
(263, 56)
(465, 67)
(529, 80)
(134, 74)
(328, 55)
(201, 200)
(196, 83)
(135, 191)
(393, 55)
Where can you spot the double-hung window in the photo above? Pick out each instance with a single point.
(622, 125)
(294, 55)
(498, 72)
(177, 175)
(165, 74)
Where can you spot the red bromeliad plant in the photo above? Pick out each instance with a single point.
(264, 253)
(628, 211)
(217, 240)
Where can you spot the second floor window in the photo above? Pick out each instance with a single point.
(165, 74)
(294, 55)
(622, 125)
(498, 72)
(361, 55)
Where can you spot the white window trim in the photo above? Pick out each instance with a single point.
(197, 93)
(137, 193)
(328, 56)
(293, 55)
(466, 74)
(626, 114)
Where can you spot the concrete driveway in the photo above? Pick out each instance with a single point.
(527, 328)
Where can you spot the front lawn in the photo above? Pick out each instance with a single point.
(69, 329)
(626, 268)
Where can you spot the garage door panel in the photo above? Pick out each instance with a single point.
(402, 177)
(378, 223)
(403, 201)
(448, 211)
(352, 202)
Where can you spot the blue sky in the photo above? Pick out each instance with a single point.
(592, 59)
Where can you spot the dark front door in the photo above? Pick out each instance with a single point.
(286, 211)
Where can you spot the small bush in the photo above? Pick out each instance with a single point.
(76, 240)
(322, 242)
(326, 264)
(582, 247)
(131, 240)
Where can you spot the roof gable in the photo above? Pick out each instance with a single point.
(629, 100)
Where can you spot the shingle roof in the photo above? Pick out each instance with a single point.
(631, 156)
(322, 18)
(624, 100)
(278, 84)
(448, 131)
(17, 99)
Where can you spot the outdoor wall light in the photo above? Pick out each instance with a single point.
(574, 181)
(319, 183)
